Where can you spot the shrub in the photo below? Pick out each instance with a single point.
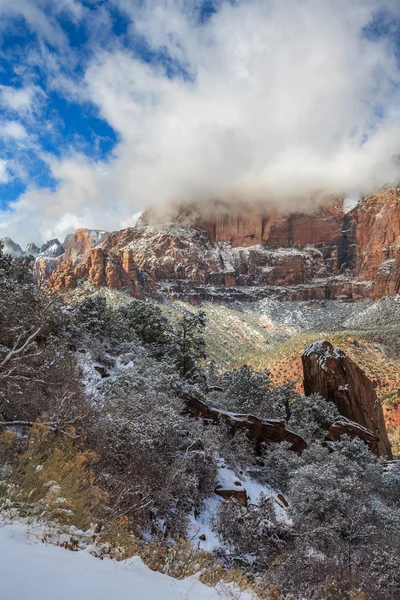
(52, 480)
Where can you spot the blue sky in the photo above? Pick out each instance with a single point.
(107, 106)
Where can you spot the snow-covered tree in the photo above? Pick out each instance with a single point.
(188, 344)
(252, 535)
(38, 372)
(311, 416)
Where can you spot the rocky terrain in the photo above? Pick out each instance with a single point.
(247, 255)
(260, 259)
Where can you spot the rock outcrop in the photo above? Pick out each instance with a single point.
(78, 245)
(227, 259)
(333, 375)
(235, 492)
(51, 249)
(32, 250)
(261, 433)
(343, 426)
(374, 234)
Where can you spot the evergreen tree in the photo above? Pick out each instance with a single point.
(189, 343)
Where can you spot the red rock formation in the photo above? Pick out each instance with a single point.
(236, 493)
(374, 228)
(343, 426)
(330, 373)
(260, 432)
(180, 257)
(78, 245)
(323, 255)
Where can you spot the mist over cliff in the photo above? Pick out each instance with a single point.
(280, 103)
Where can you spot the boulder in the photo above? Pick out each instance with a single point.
(239, 494)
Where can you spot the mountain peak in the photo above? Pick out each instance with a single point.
(11, 248)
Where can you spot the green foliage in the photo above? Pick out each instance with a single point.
(247, 390)
(188, 346)
(93, 315)
(140, 320)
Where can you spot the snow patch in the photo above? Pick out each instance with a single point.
(30, 569)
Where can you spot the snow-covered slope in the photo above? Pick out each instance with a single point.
(11, 248)
(31, 570)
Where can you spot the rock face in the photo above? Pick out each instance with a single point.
(343, 426)
(373, 231)
(237, 493)
(78, 245)
(52, 249)
(230, 258)
(32, 250)
(333, 375)
(245, 255)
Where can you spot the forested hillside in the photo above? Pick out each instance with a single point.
(123, 434)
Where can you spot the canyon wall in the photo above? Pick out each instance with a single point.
(324, 255)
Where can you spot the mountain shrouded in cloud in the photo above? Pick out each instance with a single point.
(274, 101)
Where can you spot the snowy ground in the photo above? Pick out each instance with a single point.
(31, 570)
(330, 314)
(201, 526)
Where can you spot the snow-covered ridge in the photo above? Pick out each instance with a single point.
(52, 248)
(11, 248)
(31, 569)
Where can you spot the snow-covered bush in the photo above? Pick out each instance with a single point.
(153, 459)
(252, 535)
(246, 390)
(342, 526)
(276, 466)
(312, 416)
(38, 370)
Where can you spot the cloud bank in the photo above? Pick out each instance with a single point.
(278, 101)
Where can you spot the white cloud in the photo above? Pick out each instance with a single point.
(4, 175)
(38, 16)
(18, 100)
(41, 214)
(285, 100)
(283, 103)
(12, 130)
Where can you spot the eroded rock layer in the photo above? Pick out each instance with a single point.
(243, 256)
(260, 432)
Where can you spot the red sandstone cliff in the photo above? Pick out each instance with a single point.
(333, 375)
(375, 234)
(322, 255)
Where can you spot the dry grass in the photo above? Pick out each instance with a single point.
(51, 480)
